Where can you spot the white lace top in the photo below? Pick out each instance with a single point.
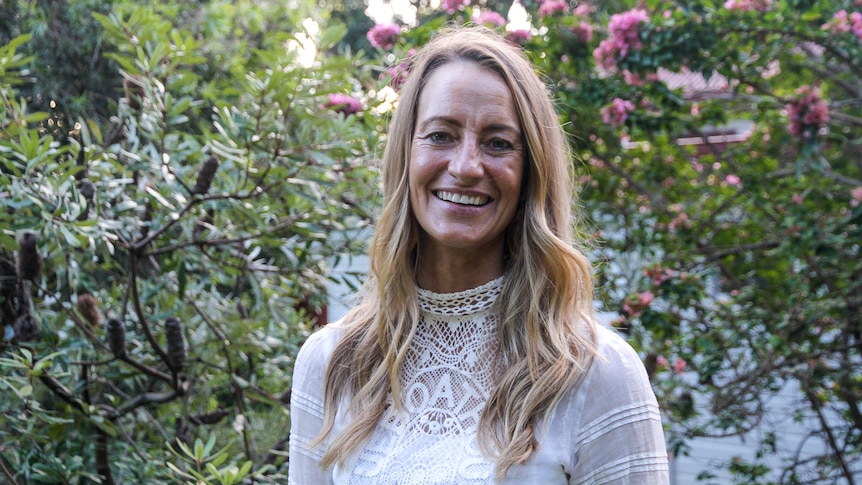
(607, 430)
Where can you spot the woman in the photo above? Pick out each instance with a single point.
(473, 356)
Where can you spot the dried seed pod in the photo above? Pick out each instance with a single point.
(147, 220)
(205, 176)
(176, 343)
(87, 189)
(8, 288)
(29, 261)
(209, 418)
(134, 91)
(26, 328)
(8, 276)
(81, 161)
(651, 364)
(88, 307)
(117, 337)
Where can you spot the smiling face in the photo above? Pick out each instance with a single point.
(466, 162)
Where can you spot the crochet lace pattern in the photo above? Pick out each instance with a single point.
(447, 377)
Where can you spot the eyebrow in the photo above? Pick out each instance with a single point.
(494, 127)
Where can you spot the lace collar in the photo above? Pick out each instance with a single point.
(461, 303)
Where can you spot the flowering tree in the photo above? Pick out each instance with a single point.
(721, 175)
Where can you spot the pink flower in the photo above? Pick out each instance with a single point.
(384, 36)
(856, 24)
(645, 298)
(842, 23)
(808, 113)
(748, 5)
(399, 71)
(797, 199)
(659, 275)
(679, 366)
(838, 23)
(638, 80)
(491, 18)
(856, 197)
(583, 9)
(343, 103)
(661, 361)
(624, 28)
(452, 6)
(733, 179)
(550, 7)
(518, 36)
(624, 37)
(616, 113)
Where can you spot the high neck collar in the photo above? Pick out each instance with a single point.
(461, 303)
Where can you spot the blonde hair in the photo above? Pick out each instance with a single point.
(545, 309)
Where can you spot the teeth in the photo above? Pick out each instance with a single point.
(462, 199)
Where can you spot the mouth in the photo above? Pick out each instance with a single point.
(474, 200)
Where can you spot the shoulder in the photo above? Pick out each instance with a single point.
(315, 353)
(613, 349)
(617, 368)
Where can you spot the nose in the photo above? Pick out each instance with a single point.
(466, 163)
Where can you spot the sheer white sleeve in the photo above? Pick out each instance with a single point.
(306, 409)
(620, 438)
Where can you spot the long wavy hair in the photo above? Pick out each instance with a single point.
(546, 327)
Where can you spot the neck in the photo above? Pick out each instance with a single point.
(459, 271)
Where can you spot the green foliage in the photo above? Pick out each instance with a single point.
(210, 197)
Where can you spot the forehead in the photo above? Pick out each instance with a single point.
(465, 87)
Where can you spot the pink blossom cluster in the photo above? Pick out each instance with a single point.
(658, 274)
(550, 7)
(680, 220)
(583, 31)
(519, 36)
(856, 197)
(491, 18)
(842, 23)
(624, 37)
(748, 5)
(636, 304)
(399, 72)
(343, 103)
(452, 6)
(733, 180)
(633, 79)
(384, 36)
(616, 113)
(679, 365)
(808, 113)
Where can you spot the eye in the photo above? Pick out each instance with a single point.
(499, 145)
(439, 137)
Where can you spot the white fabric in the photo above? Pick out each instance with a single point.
(607, 430)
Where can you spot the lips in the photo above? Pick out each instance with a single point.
(475, 200)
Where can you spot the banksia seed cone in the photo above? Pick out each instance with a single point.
(176, 343)
(134, 91)
(117, 337)
(8, 276)
(88, 190)
(209, 418)
(26, 328)
(29, 261)
(205, 176)
(88, 307)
